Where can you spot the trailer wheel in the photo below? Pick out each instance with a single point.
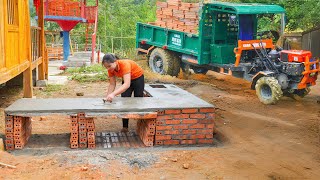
(300, 93)
(163, 62)
(268, 90)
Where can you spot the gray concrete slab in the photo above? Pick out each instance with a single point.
(169, 97)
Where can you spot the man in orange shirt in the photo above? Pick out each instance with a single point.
(132, 80)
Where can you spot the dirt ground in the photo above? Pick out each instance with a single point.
(253, 141)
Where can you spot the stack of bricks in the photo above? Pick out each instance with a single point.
(185, 126)
(146, 130)
(82, 132)
(18, 131)
(178, 15)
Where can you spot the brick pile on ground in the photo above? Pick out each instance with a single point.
(82, 132)
(146, 129)
(18, 131)
(178, 15)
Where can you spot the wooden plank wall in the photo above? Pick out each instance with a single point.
(2, 60)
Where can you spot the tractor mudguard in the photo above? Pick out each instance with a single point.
(258, 76)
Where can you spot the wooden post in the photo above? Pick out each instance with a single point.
(27, 74)
(41, 67)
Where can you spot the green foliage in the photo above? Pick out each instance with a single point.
(96, 68)
(82, 78)
(118, 18)
(94, 73)
(300, 14)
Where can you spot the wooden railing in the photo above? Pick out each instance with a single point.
(35, 43)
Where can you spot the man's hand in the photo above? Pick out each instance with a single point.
(109, 97)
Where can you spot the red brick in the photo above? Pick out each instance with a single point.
(210, 115)
(206, 110)
(91, 146)
(172, 121)
(81, 114)
(206, 121)
(83, 145)
(9, 136)
(161, 122)
(197, 136)
(9, 147)
(189, 111)
(140, 116)
(82, 130)
(159, 133)
(9, 141)
(171, 142)
(180, 127)
(205, 141)
(159, 142)
(9, 131)
(164, 117)
(180, 137)
(197, 116)
(74, 133)
(163, 128)
(73, 142)
(197, 126)
(173, 111)
(188, 142)
(210, 126)
(209, 136)
(165, 137)
(160, 112)
(189, 121)
(172, 132)
(189, 131)
(9, 126)
(181, 116)
(74, 129)
(19, 146)
(9, 121)
(205, 131)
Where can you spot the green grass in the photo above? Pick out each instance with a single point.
(51, 89)
(96, 68)
(82, 78)
(93, 73)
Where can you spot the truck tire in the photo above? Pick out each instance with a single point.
(268, 90)
(298, 94)
(176, 64)
(163, 62)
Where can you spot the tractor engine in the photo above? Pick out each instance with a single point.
(292, 65)
(293, 61)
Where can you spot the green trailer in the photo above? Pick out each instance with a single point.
(227, 42)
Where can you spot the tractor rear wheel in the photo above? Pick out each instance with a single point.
(164, 62)
(268, 90)
(298, 94)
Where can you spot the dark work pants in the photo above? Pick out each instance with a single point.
(137, 87)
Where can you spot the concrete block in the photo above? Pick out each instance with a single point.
(42, 83)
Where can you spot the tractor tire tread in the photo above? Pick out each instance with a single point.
(275, 89)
